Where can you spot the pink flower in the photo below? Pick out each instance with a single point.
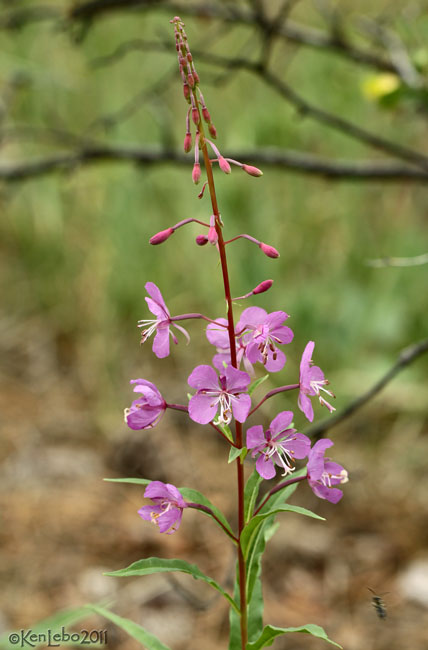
(279, 445)
(226, 391)
(161, 324)
(146, 411)
(312, 381)
(324, 473)
(264, 332)
(219, 336)
(167, 510)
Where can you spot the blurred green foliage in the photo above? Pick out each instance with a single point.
(75, 251)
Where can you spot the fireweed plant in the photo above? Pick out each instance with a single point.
(222, 399)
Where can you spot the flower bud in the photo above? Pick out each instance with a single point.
(270, 251)
(186, 92)
(201, 240)
(161, 236)
(195, 116)
(191, 80)
(187, 142)
(263, 286)
(195, 76)
(206, 114)
(196, 174)
(224, 165)
(253, 171)
(212, 130)
(212, 235)
(189, 57)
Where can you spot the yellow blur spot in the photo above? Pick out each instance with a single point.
(377, 86)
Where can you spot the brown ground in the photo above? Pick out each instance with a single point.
(62, 526)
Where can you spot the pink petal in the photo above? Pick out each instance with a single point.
(254, 316)
(284, 334)
(281, 422)
(305, 405)
(203, 377)
(276, 365)
(203, 408)
(241, 406)
(265, 467)
(236, 380)
(217, 335)
(255, 437)
(154, 292)
(156, 309)
(161, 342)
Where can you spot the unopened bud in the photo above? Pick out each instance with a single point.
(212, 130)
(189, 57)
(263, 286)
(206, 114)
(186, 92)
(196, 174)
(187, 142)
(270, 251)
(195, 116)
(224, 165)
(195, 76)
(253, 171)
(161, 236)
(201, 240)
(191, 80)
(212, 235)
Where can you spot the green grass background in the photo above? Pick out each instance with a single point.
(74, 246)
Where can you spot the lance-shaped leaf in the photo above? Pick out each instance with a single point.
(52, 625)
(250, 494)
(160, 565)
(250, 531)
(270, 633)
(137, 632)
(255, 384)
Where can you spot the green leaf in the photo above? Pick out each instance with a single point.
(53, 623)
(283, 495)
(197, 497)
(226, 430)
(249, 532)
(270, 633)
(235, 617)
(160, 565)
(133, 629)
(235, 453)
(136, 481)
(250, 493)
(256, 384)
(254, 559)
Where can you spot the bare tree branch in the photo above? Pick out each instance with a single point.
(406, 357)
(291, 31)
(295, 161)
(289, 94)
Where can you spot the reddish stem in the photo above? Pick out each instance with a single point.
(208, 511)
(277, 488)
(231, 331)
(273, 392)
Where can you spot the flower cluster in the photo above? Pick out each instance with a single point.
(223, 390)
(222, 393)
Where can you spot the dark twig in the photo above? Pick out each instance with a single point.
(291, 31)
(406, 357)
(292, 160)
